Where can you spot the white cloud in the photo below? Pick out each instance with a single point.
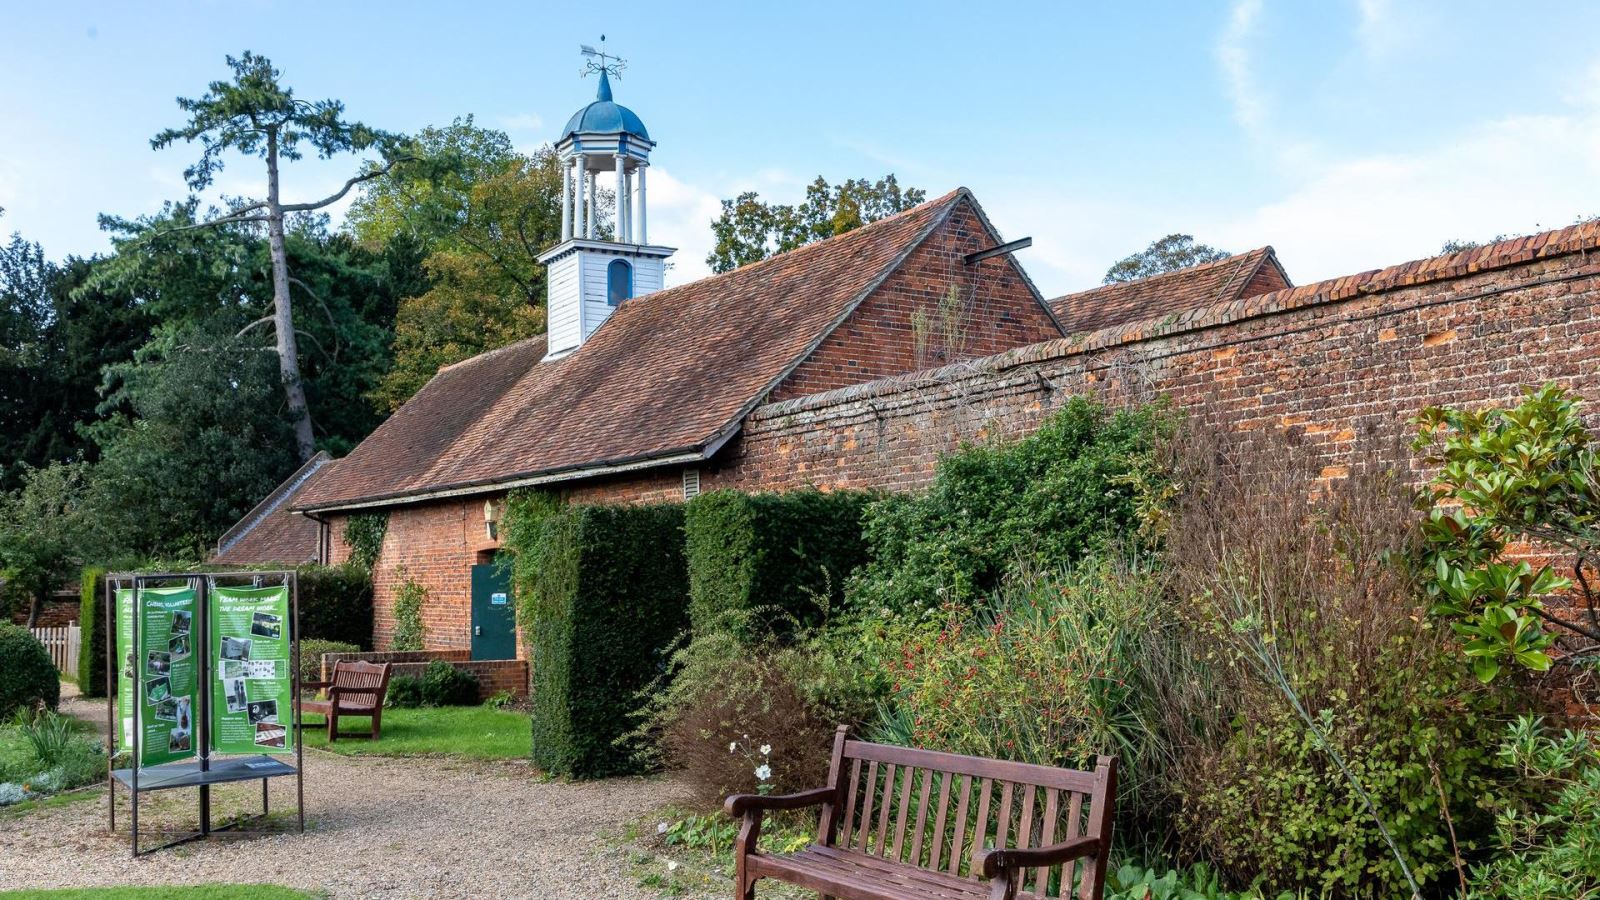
(1233, 56)
(680, 216)
(521, 122)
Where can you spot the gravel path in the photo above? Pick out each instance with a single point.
(375, 828)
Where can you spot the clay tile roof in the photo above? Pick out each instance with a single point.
(668, 377)
(1239, 276)
(271, 533)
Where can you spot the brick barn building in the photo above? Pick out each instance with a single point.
(859, 360)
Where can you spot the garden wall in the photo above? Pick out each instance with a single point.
(494, 675)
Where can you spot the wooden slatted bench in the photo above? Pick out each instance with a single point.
(999, 830)
(356, 689)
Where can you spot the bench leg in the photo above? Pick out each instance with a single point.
(333, 726)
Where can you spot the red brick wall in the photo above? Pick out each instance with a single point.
(994, 310)
(1328, 369)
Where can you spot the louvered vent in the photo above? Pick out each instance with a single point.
(691, 483)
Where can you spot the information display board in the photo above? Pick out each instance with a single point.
(252, 685)
(157, 680)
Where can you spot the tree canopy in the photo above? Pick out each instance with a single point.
(1168, 254)
(751, 229)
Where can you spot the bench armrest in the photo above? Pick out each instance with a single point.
(994, 862)
(739, 804)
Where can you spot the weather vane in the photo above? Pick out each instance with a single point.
(600, 61)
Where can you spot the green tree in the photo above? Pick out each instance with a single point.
(41, 533)
(1168, 254)
(483, 213)
(256, 115)
(751, 229)
(1507, 477)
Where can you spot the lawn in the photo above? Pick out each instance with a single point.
(196, 892)
(471, 732)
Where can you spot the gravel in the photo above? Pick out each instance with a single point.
(375, 827)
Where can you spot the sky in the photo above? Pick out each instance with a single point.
(1348, 135)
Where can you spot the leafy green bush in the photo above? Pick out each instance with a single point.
(788, 555)
(408, 602)
(364, 535)
(405, 692)
(336, 604)
(1055, 673)
(27, 676)
(311, 651)
(1047, 500)
(1547, 832)
(41, 754)
(446, 685)
(91, 618)
(607, 594)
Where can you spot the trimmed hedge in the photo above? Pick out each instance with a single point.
(27, 676)
(780, 557)
(336, 604)
(608, 593)
(92, 654)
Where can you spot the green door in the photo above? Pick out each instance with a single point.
(494, 618)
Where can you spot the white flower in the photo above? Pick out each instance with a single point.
(672, 866)
(763, 772)
(661, 828)
(766, 749)
(732, 746)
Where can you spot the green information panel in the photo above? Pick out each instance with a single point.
(161, 670)
(252, 704)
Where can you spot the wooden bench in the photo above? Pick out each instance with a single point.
(357, 689)
(998, 830)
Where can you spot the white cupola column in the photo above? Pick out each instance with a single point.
(594, 199)
(622, 198)
(629, 205)
(644, 238)
(577, 207)
(566, 203)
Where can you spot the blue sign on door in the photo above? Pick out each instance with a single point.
(498, 598)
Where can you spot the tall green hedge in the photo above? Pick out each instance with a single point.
(335, 605)
(607, 592)
(92, 654)
(765, 562)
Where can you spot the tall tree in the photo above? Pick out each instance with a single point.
(484, 213)
(1168, 254)
(256, 115)
(41, 533)
(751, 229)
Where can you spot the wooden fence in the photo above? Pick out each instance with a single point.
(63, 642)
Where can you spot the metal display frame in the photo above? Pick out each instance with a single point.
(199, 772)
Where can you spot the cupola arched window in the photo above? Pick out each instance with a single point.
(619, 282)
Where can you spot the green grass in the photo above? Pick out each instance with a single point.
(197, 892)
(469, 732)
(78, 795)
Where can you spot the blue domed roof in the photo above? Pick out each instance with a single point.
(605, 117)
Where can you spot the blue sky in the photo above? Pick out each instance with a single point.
(1348, 135)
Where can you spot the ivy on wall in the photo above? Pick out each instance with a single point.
(408, 601)
(364, 535)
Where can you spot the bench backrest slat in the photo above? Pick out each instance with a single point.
(889, 790)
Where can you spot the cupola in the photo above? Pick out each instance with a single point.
(601, 262)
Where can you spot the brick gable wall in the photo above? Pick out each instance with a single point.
(994, 309)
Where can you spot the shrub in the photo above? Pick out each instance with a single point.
(408, 602)
(91, 612)
(1309, 683)
(734, 719)
(311, 651)
(1548, 831)
(788, 555)
(336, 604)
(607, 592)
(405, 692)
(446, 685)
(1054, 674)
(27, 676)
(1047, 500)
